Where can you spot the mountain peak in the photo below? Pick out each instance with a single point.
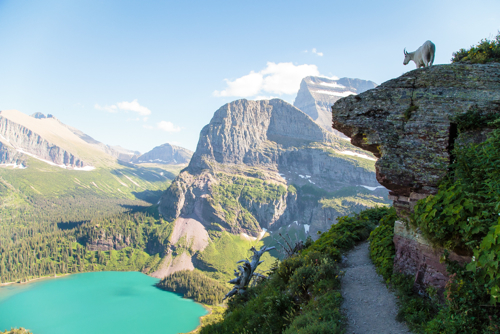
(317, 94)
(39, 115)
(165, 154)
(239, 129)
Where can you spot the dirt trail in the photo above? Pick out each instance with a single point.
(369, 306)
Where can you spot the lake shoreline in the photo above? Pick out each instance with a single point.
(112, 287)
(35, 279)
(210, 311)
(206, 307)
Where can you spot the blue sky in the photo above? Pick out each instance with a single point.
(142, 73)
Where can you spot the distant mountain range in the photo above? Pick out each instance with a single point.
(165, 154)
(317, 95)
(48, 139)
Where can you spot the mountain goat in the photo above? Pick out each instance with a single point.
(423, 57)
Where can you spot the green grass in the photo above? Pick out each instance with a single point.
(50, 181)
(234, 194)
(224, 250)
(302, 294)
(41, 194)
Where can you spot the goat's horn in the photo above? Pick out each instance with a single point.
(405, 52)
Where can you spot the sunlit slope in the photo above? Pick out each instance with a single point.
(55, 132)
(121, 181)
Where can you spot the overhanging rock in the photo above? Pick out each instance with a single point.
(408, 123)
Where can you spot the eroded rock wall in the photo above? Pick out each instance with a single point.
(23, 139)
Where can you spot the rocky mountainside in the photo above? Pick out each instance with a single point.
(264, 165)
(23, 135)
(409, 124)
(117, 152)
(165, 154)
(317, 94)
(48, 139)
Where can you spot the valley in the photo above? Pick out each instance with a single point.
(170, 213)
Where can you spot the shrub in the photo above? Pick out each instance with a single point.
(382, 249)
(486, 51)
(464, 214)
(302, 294)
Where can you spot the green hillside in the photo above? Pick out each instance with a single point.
(54, 212)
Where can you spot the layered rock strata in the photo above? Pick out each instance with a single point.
(240, 178)
(21, 139)
(408, 123)
(317, 94)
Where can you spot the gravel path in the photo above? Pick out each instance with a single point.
(369, 306)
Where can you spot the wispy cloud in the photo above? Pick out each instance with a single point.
(135, 107)
(147, 126)
(112, 108)
(276, 78)
(315, 52)
(168, 126)
(126, 106)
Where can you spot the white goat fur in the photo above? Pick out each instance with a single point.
(423, 57)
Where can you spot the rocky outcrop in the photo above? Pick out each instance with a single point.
(108, 242)
(165, 154)
(317, 94)
(26, 141)
(9, 156)
(239, 131)
(416, 256)
(408, 123)
(117, 151)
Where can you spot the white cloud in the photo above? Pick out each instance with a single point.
(333, 77)
(316, 52)
(127, 106)
(280, 78)
(247, 85)
(134, 106)
(145, 126)
(168, 126)
(264, 97)
(112, 108)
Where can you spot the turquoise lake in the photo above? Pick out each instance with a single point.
(101, 302)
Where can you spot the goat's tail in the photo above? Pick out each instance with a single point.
(433, 53)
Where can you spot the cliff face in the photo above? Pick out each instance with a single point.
(21, 139)
(262, 165)
(239, 130)
(257, 149)
(408, 122)
(9, 156)
(317, 94)
(105, 242)
(165, 154)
